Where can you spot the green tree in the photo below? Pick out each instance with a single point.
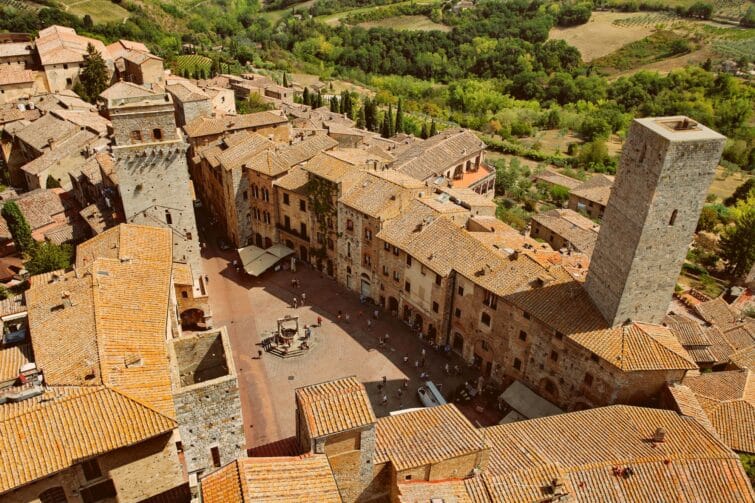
(52, 182)
(361, 119)
(593, 154)
(748, 20)
(424, 134)
(433, 128)
(708, 219)
(741, 193)
(738, 243)
(399, 117)
(47, 257)
(285, 80)
(18, 226)
(94, 75)
(558, 194)
(305, 96)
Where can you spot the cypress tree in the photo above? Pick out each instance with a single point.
(399, 117)
(305, 96)
(285, 80)
(18, 226)
(424, 134)
(94, 76)
(385, 129)
(361, 119)
(433, 128)
(334, 105)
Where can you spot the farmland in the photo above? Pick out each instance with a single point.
(192, 63)
(419, 23)
(101, 11)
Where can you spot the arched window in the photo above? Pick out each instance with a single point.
(673, 217)
(53, 495)
(168, 218)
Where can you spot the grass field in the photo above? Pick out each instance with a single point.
(600, 36)
(416, 23)
(275, 15)
(192, 63)
(723, 186)
(101, 11)
(660, 45)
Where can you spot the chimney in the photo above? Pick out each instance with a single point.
(51, 142)
(659, 436)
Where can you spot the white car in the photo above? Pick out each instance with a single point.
(429, 395)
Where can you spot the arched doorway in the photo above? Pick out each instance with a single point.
(407, 313)
(364, 287)
(303, 253)
(548, 389)
(268, 242)
(192, 318)
(458, 343)
(432, 332)
(393, 305)
(258, 240)
(418, 322)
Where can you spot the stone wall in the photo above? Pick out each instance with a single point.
(655, 204)
(296, 217)
(138, 472)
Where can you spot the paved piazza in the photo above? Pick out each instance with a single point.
(249, 308)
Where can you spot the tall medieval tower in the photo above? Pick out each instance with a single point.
(667, 165)
(153, 176)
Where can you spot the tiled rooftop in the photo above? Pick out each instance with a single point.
(334, 406)
(425, 436)
(302, 479)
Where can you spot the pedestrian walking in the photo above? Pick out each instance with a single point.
(293, 283)
(339, 315)
(319, 321)
(416, 364)
(406, 358)
(369, 323)
(259, 354)
(422, 362)
(303, 298)
(346, 317)
(399, 392)
(423, 352)
(387, 337)
(296, 302)
(380, 342)
(447, 368)
(376, 313)
(406, 383)
(457, 370)
(385, 400)
(384, 380)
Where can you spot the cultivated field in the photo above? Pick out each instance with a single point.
(275, 15)
(723, 186)
(101, 11)
(416, 23)
(192, 63)
(600, 36)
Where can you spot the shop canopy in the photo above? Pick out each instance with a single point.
(255, 260)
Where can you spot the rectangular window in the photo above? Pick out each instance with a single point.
(331, 246)
(386, 246)
(91, 469)
(367, 234)
(302, 205)
(246, 195)
(349, 224)
(491, 300)
(157, 134)
(460, 290)
(485, 319)
(595, 358)
(457, 313)
(367, 260)
(287, 222)
(136, 135)
(286, 199)
(408, 260)
(522, 335)
(215, 456)
(437, 279)
(395, 251)
(554, 356)
(559, 336)
(422, 270)
(303, 229)
(408, 286)
(517, 364)
(385, 270)
(484, 345)
(588, 379)
(526, 315)
(435, 307)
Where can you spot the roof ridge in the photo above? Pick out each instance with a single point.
(85, 390)
(140, 403)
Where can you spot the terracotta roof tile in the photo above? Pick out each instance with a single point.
(205, 126)
(381, 195)
(334, 406)
(580, 231)
(39, 438)
(295, 180)
(554, 177)
(283, 479)
(744, 358)
(12, 358)
(425, 436)
(596, 189)
(435, 155)
(127, 242)
(307, 149)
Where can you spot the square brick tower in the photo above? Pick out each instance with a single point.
(150, 161)
(666, 167)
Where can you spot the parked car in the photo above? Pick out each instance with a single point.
(429, 395)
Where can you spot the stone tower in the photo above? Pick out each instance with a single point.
(666, 167)
(150, 160)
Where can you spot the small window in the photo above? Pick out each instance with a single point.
(408, 286)
(91, 469)
(461, 290)
(349, 224)
(517, 364)
(484, 345)
(396, 251)
(286, 199)
(485, 319)
(69, 81)
(286, 221)
(559, 336)
(594, 358)
(215, 456)
(188, 236)
(136, 135)
(185, 295)
(179, 446)
(522, 335)
(588, 379)
(457, 313)
(302, 205)
(367, 234)
(386, 246)
(554, 356)
(491, 300)
(246, 195)
(395, 276)
(438, 279)
(436, 307)
(526, 315)
(157, 134)
(385, 270)
(408, 260)
(407, 477)
(673, 217)
(168, 218)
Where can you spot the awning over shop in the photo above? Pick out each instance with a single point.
(255, 260)
(527, 403)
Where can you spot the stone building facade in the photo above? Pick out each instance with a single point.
(153, 176)
(666, 168)
(294, 213)
(207, 401)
